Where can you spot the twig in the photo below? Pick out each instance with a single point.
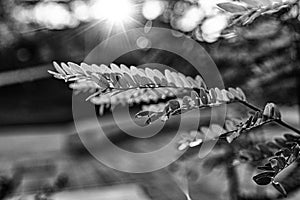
(278, 121)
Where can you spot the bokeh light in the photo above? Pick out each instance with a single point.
(80, 10)
(53, 15)
(213, 26)
(191, 18)
(153, 9)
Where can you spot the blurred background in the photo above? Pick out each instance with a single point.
(38, 141)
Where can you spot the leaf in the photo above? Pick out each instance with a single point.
(280, 142)
(158, 74)
(55, 74)
(286, 152)
(234, 92)
(195, 143)
(241, 93)
(100, 80)
(179, 111)
(281, 162)
(135, 74)
(76, 68)
(115, 68)
(178, 81)
(233, 136)
(247, 124)
(217, 130)
(129, 80)
(186, 83)
(114, 78)
(169, 77)
(225, 96)
(264, 178)
(255, 118)
(59, 69)
(123, 82)
(252, 3)
(153, 117)
(173, 105)
(213, 95)
(267, 111)
(229, 125)
(278, 162)
(294, 156)
(67, 69)
(296, 151)
(86, 68)
(279, 188)
(105, 69)
(266, 167)
(195, 98)
(200, 81)
(145, 113)
(124, 69)
(145, 79)
(232, 7)
(150, 74)
(207, 132)
(192, 82)
(219, 94)
(252, 17)
(203, 96)
(291, 138)
(183, 146)
(187, 102)
(96, 69)
(230, 96)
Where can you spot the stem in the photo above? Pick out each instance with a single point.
(224, 135)
(278, 121)
(253, 107)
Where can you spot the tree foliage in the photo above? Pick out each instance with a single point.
(115, 85)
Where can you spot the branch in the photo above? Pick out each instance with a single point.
(278, 121)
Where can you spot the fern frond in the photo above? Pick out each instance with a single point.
(115, 85)
(194, 100)
(233, 127)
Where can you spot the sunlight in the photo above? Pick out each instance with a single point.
(113, 11)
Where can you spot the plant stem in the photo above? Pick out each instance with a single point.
(278, 121)
(224, 135)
